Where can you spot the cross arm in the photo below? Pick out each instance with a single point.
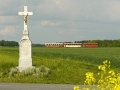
(25, 13)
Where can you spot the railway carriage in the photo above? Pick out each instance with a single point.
(53, 44)
(72, 44)
(90, 44)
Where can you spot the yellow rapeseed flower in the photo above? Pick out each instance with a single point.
(76, 88)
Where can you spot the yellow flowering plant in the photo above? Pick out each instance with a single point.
(108, 79)
(76, 88)
(90, 80)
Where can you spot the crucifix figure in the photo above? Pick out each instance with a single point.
(25, 19)
(25, 14)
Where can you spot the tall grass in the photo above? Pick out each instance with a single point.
(68, 65)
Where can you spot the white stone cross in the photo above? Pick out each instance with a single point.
(25, 14)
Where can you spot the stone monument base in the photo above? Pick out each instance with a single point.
(24, 68)
(24, 63)
(25, 60)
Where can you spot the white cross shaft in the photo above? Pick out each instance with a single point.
(25, 14)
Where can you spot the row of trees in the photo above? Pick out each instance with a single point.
(103, 43)
(13, 43)
(8, 43)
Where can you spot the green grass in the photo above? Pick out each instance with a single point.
(68, 65)
(89, 55)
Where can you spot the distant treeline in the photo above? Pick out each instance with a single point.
(14, 43)
(38, 45)
(8, 43)
(102, 43)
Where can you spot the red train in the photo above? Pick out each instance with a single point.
(89, 45)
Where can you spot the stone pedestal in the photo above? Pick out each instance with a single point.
(25, 59)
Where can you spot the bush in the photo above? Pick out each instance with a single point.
(31, 71)
(13, 71)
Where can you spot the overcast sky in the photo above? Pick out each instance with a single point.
(61, 20)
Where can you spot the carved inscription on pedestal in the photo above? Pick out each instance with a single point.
(25, 48)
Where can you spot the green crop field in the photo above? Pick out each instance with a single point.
(68, 65)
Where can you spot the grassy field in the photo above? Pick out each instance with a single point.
(68, 65)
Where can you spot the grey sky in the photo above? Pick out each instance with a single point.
(61, 20)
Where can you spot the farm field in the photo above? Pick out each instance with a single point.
(68, 65)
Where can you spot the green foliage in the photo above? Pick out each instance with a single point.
(13, 71)
(38, 45)
(8, 43)
(103, 43)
